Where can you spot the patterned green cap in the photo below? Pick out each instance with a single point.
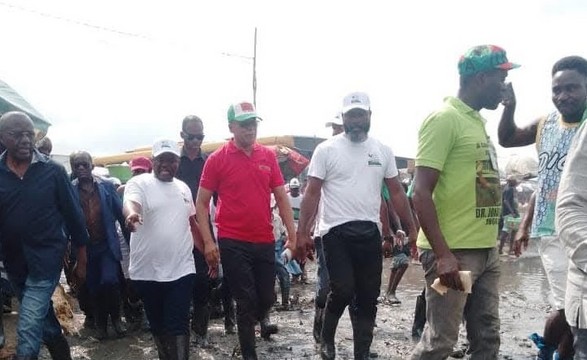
(483, 58)
(242, 112)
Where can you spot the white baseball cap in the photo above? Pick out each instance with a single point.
(165, 146)
(356, 100)
(294, 183)
(335, 121)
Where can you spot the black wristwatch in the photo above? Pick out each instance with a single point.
(387, 238)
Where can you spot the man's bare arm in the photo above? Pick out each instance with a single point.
(447, 266)
(508, 133)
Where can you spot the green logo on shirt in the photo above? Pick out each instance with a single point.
(373, 160)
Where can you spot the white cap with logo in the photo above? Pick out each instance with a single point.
(356, 100)
(165, 146)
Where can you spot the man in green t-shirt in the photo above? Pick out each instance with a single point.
(457, 196)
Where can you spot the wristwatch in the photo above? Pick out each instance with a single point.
(388, 238)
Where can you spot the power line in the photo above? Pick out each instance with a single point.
(111, 30)
(74, 21)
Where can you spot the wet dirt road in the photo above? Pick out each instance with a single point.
(523, 307)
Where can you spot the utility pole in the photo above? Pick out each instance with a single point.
(255, 70)
(248, 58)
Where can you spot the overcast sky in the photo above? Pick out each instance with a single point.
(115, 75)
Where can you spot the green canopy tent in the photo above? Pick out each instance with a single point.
(10, 100)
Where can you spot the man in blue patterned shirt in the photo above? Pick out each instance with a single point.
(553, 135)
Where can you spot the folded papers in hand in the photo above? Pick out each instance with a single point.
(465, 280)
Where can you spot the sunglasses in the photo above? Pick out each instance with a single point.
(191, 137)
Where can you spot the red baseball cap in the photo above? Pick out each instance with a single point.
(141, 163)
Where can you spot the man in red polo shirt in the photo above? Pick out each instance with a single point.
(244, 174)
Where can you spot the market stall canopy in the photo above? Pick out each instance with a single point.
(291, 162)
(304, 145)
(10, 100)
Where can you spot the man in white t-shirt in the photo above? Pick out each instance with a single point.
(295, 197)
(159, 211)
(345, 176)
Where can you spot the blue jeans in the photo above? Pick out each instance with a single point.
(580, 343)
(36, 319)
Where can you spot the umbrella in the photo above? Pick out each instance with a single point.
(291, 162)
(10, 100)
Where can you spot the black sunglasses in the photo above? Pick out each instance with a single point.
(191, 137)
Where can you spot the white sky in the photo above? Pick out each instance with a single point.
(115, 75)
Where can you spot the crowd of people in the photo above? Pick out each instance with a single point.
(191, 232)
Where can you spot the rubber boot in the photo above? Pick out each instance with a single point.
(267, 329)
(318, 319)
(246, 339)
(229, 316)
(182, 347)
(100, 306)
(114, 310)
(327, 348)
(2, 337)
(161, 347)
(200, 320)
(285, 305)
(170, 344)
(362, 337)
(419, 316)
(59, 348)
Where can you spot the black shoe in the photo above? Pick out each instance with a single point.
(59, 348)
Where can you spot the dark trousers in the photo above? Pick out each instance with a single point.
(167, 304)
(354, 263)
(250, 271)
(103, 268)
(202, 285)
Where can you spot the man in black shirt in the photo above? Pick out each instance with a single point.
(191, 164)
(37, 203)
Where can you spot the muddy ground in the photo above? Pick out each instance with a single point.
(524, 304)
